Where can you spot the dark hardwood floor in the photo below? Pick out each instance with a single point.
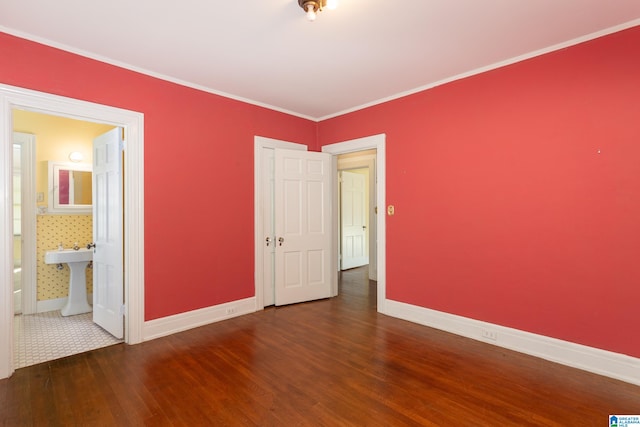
(326, 363)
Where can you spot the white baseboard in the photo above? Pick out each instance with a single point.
(56, 304)
(602, 362)
(192, 319)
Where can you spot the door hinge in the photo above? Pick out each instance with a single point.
(123, 310)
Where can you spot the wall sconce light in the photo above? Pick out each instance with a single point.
(314, 6)
(76, 156)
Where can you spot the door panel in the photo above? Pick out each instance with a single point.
(268, 226)
(108, 285)
(303, 226)
(353, 219)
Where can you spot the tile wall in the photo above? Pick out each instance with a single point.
(51, 231)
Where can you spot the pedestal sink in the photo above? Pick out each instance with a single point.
(77, 260)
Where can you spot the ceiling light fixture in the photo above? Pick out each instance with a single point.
(312, 7)
(76, 156)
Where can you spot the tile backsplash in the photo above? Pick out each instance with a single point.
(51, 231)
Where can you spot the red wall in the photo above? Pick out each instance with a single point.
(198, 170)
(505, 210)
(517, 194)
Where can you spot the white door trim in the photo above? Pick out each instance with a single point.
(133, 123)
(378, 143)
(28, 141)
(259, 143)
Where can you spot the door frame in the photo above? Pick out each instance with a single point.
(133, 168)
(376, 142)
(260, 143)
(28, 212)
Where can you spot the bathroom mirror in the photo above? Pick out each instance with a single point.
(70, 187)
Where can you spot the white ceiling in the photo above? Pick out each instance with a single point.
(267, 53)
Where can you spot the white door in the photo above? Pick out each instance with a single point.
(353, 219)
(108, 286)
(303, 226)
(268, 225)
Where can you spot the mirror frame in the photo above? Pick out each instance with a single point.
(54, 207)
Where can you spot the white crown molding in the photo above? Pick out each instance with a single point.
(146, 72)
(490, 67)
(480, 70)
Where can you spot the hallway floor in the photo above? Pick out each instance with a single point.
(48, 336)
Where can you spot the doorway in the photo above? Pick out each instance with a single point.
(293, 217)
(357, 221)
(63, 217)
(46, 224)
(378, 253)
(262, 274)
(133, 124)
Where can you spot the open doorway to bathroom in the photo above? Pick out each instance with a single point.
(40, 332)
(132, 124)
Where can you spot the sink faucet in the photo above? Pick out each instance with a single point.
(76, 247)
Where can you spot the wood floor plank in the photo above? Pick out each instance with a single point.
(334, 362)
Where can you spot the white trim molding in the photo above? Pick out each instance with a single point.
(509, 61)
(378, 143)
(601, 362)
(486, 68)
(28, 264)
(133, 124)
(192, 319)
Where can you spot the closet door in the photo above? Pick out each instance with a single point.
(303, 234)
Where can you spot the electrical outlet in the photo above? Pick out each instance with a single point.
(490, 335)
(231, 310)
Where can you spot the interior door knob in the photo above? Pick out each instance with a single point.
(91, 245)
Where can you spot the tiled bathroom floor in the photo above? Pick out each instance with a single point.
(48, 336)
